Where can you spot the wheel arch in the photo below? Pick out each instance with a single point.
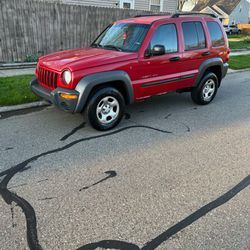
(214, 65)
(117, 79)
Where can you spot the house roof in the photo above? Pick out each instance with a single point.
(226, 6)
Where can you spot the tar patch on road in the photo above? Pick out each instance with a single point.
(73, 131)
(30, 215)
(111, 174)
(156, 242)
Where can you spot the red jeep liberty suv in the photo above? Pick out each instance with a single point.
(134, 59)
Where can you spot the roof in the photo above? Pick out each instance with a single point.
(145, 19)
(226, 6)
(150, 19)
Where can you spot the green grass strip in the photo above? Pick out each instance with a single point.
(15, 90)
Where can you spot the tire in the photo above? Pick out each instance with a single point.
(105, 108)
(205, 92)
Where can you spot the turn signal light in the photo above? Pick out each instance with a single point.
(68, 96)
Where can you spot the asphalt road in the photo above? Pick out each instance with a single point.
(173, 175)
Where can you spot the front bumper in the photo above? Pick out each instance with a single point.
(54, 96)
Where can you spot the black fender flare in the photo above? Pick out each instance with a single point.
(87, 83)
(217, 61)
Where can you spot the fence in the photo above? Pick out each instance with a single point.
(31, 28)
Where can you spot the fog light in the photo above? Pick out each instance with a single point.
(68, 96)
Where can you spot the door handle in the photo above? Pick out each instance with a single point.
(207, 53)
(173, 59)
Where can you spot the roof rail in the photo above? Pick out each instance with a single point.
(192, 13)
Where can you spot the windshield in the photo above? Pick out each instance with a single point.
(122, 37)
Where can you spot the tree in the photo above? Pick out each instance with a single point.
(180, 3)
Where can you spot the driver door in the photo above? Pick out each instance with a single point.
(160, 73)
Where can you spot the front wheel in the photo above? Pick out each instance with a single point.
(205, 92)
(105, 108)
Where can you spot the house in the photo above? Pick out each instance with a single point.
(229, 11)
(150, 5)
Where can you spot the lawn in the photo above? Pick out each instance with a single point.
(239, 41)
(15, 90)
(239, 62)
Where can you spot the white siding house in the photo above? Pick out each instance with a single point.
(241, 13)
(150, 5)
(229, 11)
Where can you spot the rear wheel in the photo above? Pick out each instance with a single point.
(205, 92)
(105, 108)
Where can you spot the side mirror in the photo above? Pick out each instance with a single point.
(158, 50)
(147, 53)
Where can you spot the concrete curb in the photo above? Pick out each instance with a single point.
(24, 106)
(10, 66)
(239, 50)
(233, 71)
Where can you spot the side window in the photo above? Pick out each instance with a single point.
(194, 36)
(201, 35)
(166, 35)
(215, 34)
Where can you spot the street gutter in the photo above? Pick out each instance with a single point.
(6, 109)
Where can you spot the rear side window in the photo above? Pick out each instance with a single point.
(216, 34)
(194, 36)
(166, 35)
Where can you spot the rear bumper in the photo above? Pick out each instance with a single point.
(225, 69)
(54, 96)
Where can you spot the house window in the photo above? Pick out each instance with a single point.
(127, 4)
(155, 5)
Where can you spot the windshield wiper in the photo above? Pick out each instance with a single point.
(112, 47)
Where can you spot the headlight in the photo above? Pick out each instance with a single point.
(67, 76)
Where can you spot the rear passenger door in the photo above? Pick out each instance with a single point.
(195, 51)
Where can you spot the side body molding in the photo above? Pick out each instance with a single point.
(86, 84)
(217, 61)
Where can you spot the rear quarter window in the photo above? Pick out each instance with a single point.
(216, 34)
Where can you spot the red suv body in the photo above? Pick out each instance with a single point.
(132, 60)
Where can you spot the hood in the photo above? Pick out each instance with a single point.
(77, 59)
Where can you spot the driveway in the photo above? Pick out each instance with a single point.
(173, 175)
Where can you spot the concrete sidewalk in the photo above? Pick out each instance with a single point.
(16, 72)
(239, 53)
